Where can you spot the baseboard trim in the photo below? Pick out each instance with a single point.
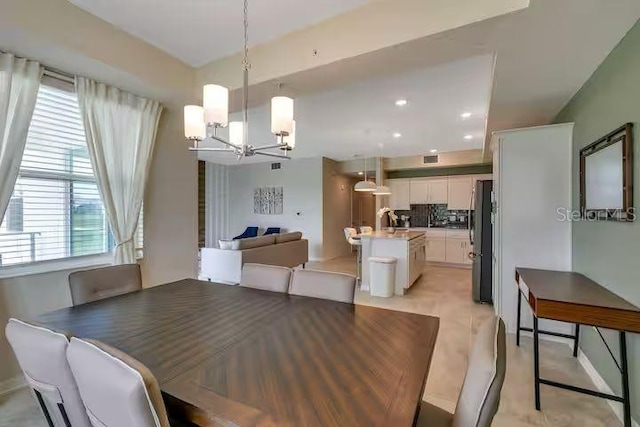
(12, 384)
(602, 386)
(545, 337)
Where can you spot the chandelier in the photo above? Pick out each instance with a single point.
(204, 122)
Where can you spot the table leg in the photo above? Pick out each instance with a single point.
(624, 369)
(536, 362)
(518, 321)
(576, 341)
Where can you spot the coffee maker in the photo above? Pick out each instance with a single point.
(405, 221)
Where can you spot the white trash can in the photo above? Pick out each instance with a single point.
(382, 276)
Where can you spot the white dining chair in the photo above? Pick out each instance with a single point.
(42, 356)
(266, 277)
(116, 389)
(351, 234)
(480, 395)
(105, 282)
(323, 284)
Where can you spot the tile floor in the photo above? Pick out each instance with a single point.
(445, 293)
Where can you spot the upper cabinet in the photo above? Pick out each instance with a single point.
(399, 198)
(460, 190)
(438, 191)
(454, 191)
(419, 192)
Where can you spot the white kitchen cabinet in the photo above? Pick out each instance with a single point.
(399, 198)
(436, 249)
(457, 250)
(419, 192)
(460, 189)
(438, 190)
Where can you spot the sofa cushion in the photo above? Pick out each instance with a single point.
(254, 242)
(288, 237)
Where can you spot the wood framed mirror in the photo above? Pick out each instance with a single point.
(606, 177)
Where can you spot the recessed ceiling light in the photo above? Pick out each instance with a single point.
(397, 135)
(433, 150)
(465, 115)
(468, 137)
(401, 102)
(360, 173)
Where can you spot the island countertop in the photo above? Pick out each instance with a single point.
(402, 235)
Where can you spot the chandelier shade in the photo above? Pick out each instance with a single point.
(281, 115)
(194, 126)
(236, 133)
(216, 105)
(290, 140)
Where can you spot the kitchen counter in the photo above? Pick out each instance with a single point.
(398, 234)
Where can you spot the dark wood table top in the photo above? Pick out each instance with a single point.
(227, 355)
(573, 297)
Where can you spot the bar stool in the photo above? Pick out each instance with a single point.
(365, 229)
(354, 240)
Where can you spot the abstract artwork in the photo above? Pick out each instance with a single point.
(268, 201)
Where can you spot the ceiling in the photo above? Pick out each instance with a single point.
(200, 31)
(544, 55)
(355, 119)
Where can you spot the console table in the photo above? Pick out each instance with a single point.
(574, 298)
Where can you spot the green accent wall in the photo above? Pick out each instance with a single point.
(608, 252)
(441, 171)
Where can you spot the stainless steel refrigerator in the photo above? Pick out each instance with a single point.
(481, 236)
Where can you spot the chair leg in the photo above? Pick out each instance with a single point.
(44, 408)
(65, 417)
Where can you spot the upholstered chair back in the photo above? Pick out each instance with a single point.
(322, 284)
(41, 354)
(100, 283)
(480, 395)
(267, 277)
(116, 389)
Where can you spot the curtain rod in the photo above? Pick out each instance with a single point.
(60, 75)
(50, 71)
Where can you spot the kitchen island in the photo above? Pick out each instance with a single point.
(407, 247)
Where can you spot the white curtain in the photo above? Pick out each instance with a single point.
(217, 204)
(121, 132)
(19, 83)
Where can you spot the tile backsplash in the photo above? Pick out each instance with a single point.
(435, 216)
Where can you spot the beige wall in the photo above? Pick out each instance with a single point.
(336, 209)
(454, 158)
(63, 36)
(374, 26)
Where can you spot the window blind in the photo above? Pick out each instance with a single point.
(55, 211)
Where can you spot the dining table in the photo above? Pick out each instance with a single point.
(236, 356)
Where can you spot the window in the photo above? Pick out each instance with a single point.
(55, 211)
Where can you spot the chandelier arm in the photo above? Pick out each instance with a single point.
(222, 150)
(225, 142)
(267, 147)
(279, 156)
